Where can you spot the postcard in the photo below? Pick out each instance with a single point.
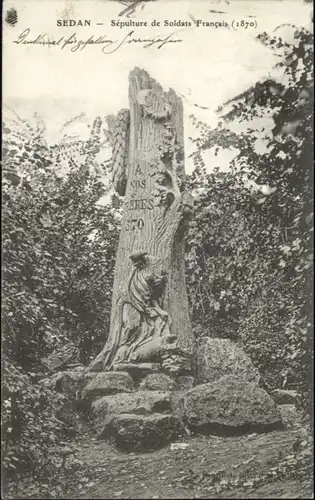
(157, 248)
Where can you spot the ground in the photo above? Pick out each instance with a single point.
(194, 467)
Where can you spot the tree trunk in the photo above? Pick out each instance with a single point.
(149, 302)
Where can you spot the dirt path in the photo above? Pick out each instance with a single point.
(206, 467)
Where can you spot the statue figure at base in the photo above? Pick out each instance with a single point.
(142, 327)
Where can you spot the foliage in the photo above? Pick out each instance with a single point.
(29, 424)
(59, 247)
(250, 253)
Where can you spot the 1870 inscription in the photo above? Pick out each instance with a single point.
(135, 204)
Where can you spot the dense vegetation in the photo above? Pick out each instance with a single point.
(252, 252)
(249, 254)
(58, 255)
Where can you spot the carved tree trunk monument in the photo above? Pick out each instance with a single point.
(150, 329)
(150, 326)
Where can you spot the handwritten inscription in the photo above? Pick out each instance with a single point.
(107, 46)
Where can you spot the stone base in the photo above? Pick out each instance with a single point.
(228, 406)
(137, 370)
(138, 433)
(158, 382)
(162, 407)
(141, 407)
(108, 383)
(174, 366)
(143, 402)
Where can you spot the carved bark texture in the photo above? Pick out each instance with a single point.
(119, 138)
(149, 296)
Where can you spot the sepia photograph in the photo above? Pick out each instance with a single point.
(157, 249)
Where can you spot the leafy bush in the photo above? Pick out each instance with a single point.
(30, 428)
(58, 255)
(250, 253)
(59, 247)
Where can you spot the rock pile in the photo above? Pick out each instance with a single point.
(147, 413)
(144, 407)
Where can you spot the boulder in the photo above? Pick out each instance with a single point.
(285, 397)
(138, 433)
(218, 357)
(157, 382)
(70, 382)
(108, 383)
(228, 406)
(141, 402)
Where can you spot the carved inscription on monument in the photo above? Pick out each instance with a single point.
(136, 202)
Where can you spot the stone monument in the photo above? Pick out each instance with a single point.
(150, 327)
(144, 395)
